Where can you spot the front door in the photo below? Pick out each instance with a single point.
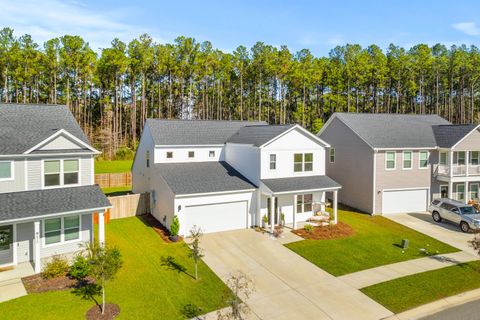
(443, 191)
(6, 245)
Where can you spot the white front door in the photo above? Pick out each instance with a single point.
(6, 245)
(216, 217)
(408, 200)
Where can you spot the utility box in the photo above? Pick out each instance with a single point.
(405, 243)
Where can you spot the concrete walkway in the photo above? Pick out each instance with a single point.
(11, 285)
(286, 285)
(365, 278)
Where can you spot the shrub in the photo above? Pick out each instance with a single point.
(175, 226)
(56, 267)
(124, 153)
(308, 227)
(265, 219)
(80, 268)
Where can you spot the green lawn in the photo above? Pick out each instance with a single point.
(117, 191)
(116, 166)
(375, 243)
(144, 288)
(411, 291)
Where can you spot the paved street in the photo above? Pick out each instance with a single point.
(467, 311)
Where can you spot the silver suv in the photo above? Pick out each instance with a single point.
(463, 215)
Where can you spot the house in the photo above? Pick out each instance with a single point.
(47, 194)
(226, 175)
(390, 163)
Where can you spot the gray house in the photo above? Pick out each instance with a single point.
(47, 191)
(390, 163)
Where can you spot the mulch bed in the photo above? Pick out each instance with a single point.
(159, 228)
(95, 313)
(340, 230)
(37, 284)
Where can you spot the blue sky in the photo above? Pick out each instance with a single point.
(316, 25)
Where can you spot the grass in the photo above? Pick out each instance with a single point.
(117, 191)
(411, 291)
(145, 288)
(376, 242)
(115, 166)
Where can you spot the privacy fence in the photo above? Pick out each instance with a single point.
(129, 205)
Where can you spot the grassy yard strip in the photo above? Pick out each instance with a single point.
(376, 242)
(156, 282)
(117, 191)
(115, 166)
(411, 291)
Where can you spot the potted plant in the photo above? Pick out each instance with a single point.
(282, 219)
(264, 221)
(174, 228)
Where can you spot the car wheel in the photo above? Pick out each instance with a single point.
(464, 226)
(436, 216)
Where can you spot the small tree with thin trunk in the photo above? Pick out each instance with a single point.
(241, 287)
(475, 243)
(196, 252)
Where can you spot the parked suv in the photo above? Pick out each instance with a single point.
(465, 216)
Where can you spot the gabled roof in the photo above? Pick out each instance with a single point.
(25, 126)
(449, 135)
(202, 177)
(318, 182)
(194, 132)
(37, 203)
(259, 134)
(387, 130)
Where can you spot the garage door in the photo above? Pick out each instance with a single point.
(396, 201)
(217, 216)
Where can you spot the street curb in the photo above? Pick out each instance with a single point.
(437, 306)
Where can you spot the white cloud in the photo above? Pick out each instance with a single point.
(469, 28)
(46, 19)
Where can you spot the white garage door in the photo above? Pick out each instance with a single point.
(396, 201)
(217, 216)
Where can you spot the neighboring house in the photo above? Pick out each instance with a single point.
(47, 196)
(390, 163)
(225, 175)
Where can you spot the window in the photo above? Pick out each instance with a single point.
(59, 230)
(147, 157)
(407, 160)
(191, 154)
(461, 158)
(443, 158)
(302, 162)
(70, 171)
(390, 160)
(460, 192)
(211, 153)
(474, 191)
(304, 203)
(423, 159)
(169, 155)
(51, 171)
(444, 191)
(273, 161)
(6, 170)
(332, 155)
(475, 158)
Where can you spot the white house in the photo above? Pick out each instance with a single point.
(225, 175)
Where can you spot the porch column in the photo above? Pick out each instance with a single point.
(467, 156)
(450, 189)
(101, 228)
(294, 212)
(466, 196)
(272, 213)
(335, 206)
(36, 247)
(258, 218)
(450, 163)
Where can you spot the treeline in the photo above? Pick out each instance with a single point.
(113, 92)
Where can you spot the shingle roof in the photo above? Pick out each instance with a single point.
(202, 177)
(301, 183)
(24, 126)
(258, 135)
(386, 130)
(194, 132)
(448, 135)
(35, 203)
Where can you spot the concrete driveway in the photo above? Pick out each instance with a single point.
(444, 231)
(286, 285)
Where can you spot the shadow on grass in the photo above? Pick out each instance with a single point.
(88, 291)
(118, 193)
(170, 263)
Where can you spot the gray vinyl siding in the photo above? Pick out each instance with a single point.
(469, 143)
(400, 178)
(25, 237)
(353, 167)
(86, 171)
(18, 182)
(34, 170)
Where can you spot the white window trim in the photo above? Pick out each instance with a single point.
(440, 158)
(331, 150)
(62, 185)
(470, 187)
(302, 196)
(270, 161)
(403, 160)
(456, 191)
(210, 155)
(62, 232)
(394, 160)
(12, 170)
(470, 158)
(420, 159)
(303, 162)
(464, 157)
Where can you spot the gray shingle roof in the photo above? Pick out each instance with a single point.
(300, 183)
(202, 177)
(387, 130)
(24, 126)
(448, 135)
(194, 132)
(27, 204)
(258, 135)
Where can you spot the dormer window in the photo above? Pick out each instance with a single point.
(169, 155)
(6, 170)
(191, 154)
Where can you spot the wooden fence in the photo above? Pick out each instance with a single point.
(108, 180)
(129, 205)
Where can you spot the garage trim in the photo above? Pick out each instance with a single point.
(406, 189)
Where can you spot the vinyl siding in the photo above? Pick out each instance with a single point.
(18, 182)
(470, 142)
(34, 170)
(86, 170)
